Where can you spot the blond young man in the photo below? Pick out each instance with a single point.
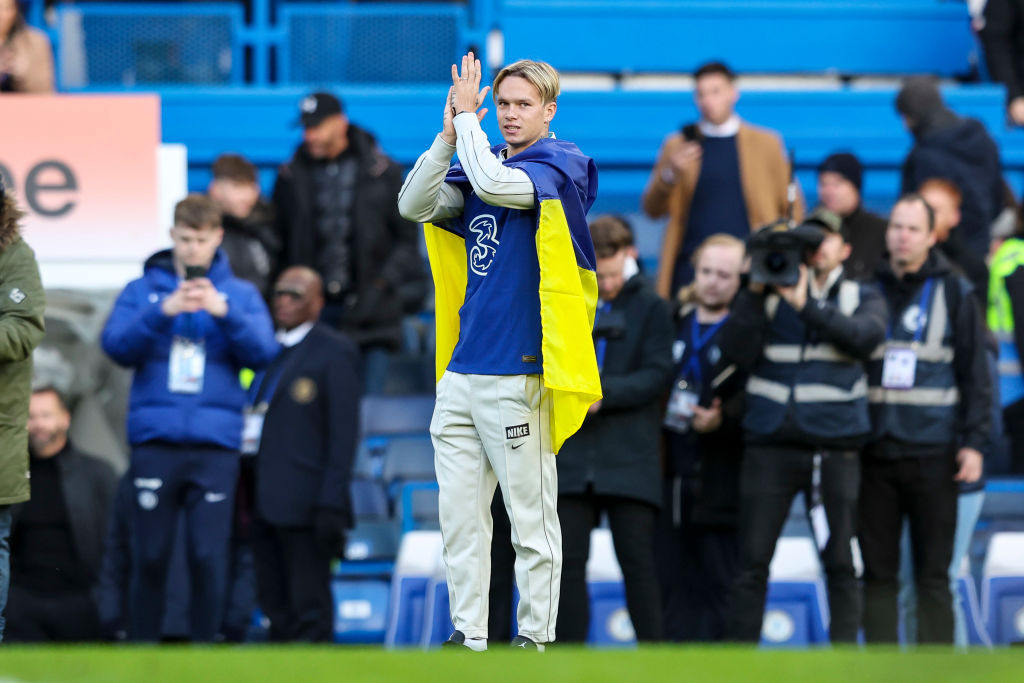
(517, 371)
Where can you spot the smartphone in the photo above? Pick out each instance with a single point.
(194, 272)
(691, 133)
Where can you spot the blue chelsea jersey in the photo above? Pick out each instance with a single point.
(500, 329)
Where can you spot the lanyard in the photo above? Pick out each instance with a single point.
(697, 343)
(922, 307)
(261, 390)
(601, 344)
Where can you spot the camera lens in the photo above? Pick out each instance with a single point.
(775, 261)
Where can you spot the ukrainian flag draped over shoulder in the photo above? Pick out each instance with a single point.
(565, 183)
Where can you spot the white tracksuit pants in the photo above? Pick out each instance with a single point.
(489, 429)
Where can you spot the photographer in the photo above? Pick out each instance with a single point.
(804, 335)
(611, 464)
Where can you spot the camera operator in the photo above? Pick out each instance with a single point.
(804, 335)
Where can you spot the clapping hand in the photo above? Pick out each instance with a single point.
(464, 95)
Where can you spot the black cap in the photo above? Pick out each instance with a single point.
(846, 165)
(313, 109)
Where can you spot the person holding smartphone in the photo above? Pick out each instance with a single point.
(720, 174)
(186, 327)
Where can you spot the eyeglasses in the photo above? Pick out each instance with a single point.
(292, 294)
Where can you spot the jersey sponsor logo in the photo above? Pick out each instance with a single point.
(17, 296)
(481, 255)
(517, 431)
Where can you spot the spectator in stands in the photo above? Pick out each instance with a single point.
(22, 303)
(840, 179)
(186, 327)
(718, 175)
(956, 149)
(1002, 37)
(945, 199)
(697, 549)
(26, 59)
(302, 424)
(336, 209)
(930, 398)
(806, 348)
(611, 465)
(1005, 308)
(57, 536)
(508, 243)
(251, 242)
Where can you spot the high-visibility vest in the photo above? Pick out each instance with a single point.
(822, 389)
(1008, 258)
(926, 413)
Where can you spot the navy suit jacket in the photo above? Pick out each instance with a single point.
(310, 431)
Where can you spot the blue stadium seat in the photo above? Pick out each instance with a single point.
(409, 459)
(796, 609)
(1002, 588)
(369, 500)
(419, 561)
(417, 505)
(372, 43)
(437, 619)
(371, 541)
(396, 415)
(977, 633)
(152, 44)
(360, 610)
(766, 36)
(609, 619)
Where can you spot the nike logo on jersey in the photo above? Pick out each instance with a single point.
(212, 497)
(515, 446)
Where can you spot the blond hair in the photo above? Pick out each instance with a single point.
(540, 75)
(688, 293)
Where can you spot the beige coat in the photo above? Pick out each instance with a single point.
(764, 175)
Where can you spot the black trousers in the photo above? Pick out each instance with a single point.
(1013, 421)
(769, 479)
(503, 573)
(293, 583)
(632, 526)
(43, 618)
(696, 567)
(921, 489)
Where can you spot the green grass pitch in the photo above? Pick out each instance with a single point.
(298, 664)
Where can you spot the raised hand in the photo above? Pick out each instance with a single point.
(466, 94)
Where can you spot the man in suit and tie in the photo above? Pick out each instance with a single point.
(302, 426)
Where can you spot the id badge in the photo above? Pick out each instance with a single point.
(252, 428)
(679, 413)
(187, 366)
(898, 368)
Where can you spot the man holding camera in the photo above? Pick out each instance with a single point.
(186, 327)
(930, 396)
(804, 334)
